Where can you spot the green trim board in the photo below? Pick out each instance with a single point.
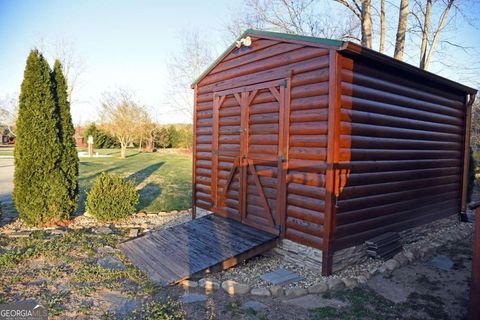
(253, 32)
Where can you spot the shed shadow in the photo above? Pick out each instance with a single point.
(148, 194)
(141, 175)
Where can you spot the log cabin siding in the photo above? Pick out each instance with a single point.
(337, 143)
(400, 152)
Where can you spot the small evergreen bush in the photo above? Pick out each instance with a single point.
(111, 198)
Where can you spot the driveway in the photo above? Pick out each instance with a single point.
(6, 179)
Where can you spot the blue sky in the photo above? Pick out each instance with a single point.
(123, 43)
(127, 43)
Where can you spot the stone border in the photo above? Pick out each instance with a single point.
(409, 255)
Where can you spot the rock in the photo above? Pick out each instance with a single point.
(389, 289)
(57, 232)
(318, 288)
(350, 282)
(111, 263)
(373, 271)
(133, 233)
(335, 284)
(188, 284)
(277, 291)
(144, 226)
(295, 292)
(313, 302)
(362, 279)
(103, 230)
(409, 255)
(63, 287)
(441, 262)
(208, 285)
(235, 288)
(87, 303)
(281, 277)
(118, 303)
(141, 214)
(253, 305)
(38, 282)
(391, 264)
(401, 259)
(193, 297)
(382, 268)
(87, 214)
(106, 250)
(20, 234)
(261, 292)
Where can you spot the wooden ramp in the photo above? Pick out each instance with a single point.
(211, 242)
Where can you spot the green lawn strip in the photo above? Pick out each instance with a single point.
(163, 180)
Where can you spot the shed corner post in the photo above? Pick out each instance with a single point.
(333, 136)
(466, 156)
(194, 155)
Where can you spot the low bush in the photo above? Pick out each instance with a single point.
(111, 198)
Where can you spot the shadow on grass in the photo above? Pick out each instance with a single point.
(148, 194)
(134, 154)
(141, 175)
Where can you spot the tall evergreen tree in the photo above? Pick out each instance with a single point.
(39, 185)
(69, 156)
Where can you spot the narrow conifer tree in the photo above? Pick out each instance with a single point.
(69, 157)
(39, 185)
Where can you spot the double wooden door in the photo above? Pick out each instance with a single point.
(249, 154)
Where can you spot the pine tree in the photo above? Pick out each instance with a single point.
(173, 136)
(69, 157)
(38, 182)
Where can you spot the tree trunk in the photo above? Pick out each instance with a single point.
(366, 23)
(123, 150)
(382, 26)
(149, 146)
(426, 30)
(140, 144)
(443, 20)
(401, 30)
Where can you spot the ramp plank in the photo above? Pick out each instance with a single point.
(171, 255)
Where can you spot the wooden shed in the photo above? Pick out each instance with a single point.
(327, 143)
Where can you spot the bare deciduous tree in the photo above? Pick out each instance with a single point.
(430, 33)
(305, 17)
(184, 67)
(401, 29)
(123, 117)
(73, 64)
(9, 112)
(382, 27)
(362, 10)
(475, 133)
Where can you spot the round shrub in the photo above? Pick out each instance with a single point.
(111, 198)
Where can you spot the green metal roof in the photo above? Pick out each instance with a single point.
(253, 32)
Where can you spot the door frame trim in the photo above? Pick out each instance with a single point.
(245, 96)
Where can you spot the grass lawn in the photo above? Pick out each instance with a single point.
(163, 180)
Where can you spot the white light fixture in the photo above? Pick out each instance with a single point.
(246, 42)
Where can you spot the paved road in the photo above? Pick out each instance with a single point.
(6, 179)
